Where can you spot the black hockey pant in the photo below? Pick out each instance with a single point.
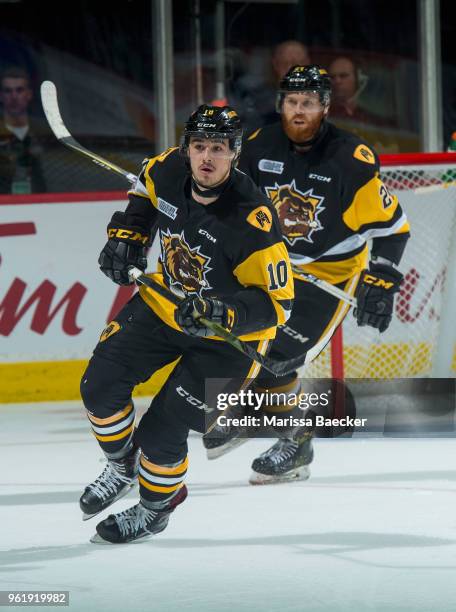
(131, 349)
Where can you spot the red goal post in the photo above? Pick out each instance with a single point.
(421, 339)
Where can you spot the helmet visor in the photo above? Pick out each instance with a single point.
(217, 144)
(308, 101)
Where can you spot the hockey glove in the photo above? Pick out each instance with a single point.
(375, 296)
(189, 311)
(127, 246)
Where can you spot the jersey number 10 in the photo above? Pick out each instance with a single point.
(278, 275)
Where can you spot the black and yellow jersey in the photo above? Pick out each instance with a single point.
(330, 200)
(231, 249)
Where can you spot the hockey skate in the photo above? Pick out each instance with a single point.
(285, 461)
(222, 439)
(136, 524)
(118, 477)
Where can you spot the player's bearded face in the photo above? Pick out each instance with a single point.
(210, 160)
(302, 114)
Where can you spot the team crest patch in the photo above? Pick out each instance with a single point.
(185, 267)
(297, 210)
(364, 154)
(261, 218)
(112, 328)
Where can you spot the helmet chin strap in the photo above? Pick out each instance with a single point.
(211, 192)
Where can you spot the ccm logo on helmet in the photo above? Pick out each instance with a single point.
(206, 125)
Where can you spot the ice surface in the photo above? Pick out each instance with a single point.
(374, 529)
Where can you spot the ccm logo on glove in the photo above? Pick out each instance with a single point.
(125, 234)
(375, 296)
(377, 282)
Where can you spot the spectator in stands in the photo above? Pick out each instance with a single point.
(20, 136)
(349, 108)
(287, 54)
(254, 98)
(284, 55)
(348, 82)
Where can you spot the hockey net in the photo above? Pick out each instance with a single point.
(420, 341)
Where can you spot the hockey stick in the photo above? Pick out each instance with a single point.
(52, 112)
(279, 368)
(325, 286)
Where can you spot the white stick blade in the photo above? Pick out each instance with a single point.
(51, 109)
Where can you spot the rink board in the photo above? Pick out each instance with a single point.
(54, 302)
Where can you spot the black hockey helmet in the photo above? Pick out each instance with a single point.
(213, 122)
(305, 78)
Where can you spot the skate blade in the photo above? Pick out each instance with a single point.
(97, 539)
(301, 473)
(215, 453)
(86, 517)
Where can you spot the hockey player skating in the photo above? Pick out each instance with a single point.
(199, 201)
(325, 186)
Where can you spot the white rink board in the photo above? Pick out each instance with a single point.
(68, 239)
(63, 251)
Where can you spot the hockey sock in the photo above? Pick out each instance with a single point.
(159, 483)
(114, 433)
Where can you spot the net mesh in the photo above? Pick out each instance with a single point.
(407, 349)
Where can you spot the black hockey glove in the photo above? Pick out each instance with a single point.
(127, 246)
(189, 311)
(375, 296)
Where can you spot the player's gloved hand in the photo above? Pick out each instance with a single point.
(189, 310)
(127, 246)
(375, 296)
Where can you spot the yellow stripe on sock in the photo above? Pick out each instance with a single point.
(162, 469)
(158, 489)
(114, 437)
(112, 419)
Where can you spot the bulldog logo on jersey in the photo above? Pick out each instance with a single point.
(185, 267)
(298, 211)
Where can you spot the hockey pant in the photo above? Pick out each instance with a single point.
(130, 350)
(315, 317)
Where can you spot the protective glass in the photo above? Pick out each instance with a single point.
(217, 147)
(300, 102)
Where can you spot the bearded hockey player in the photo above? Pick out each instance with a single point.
(199, 201)
(325, 186)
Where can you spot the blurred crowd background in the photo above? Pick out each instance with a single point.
(102, 57)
